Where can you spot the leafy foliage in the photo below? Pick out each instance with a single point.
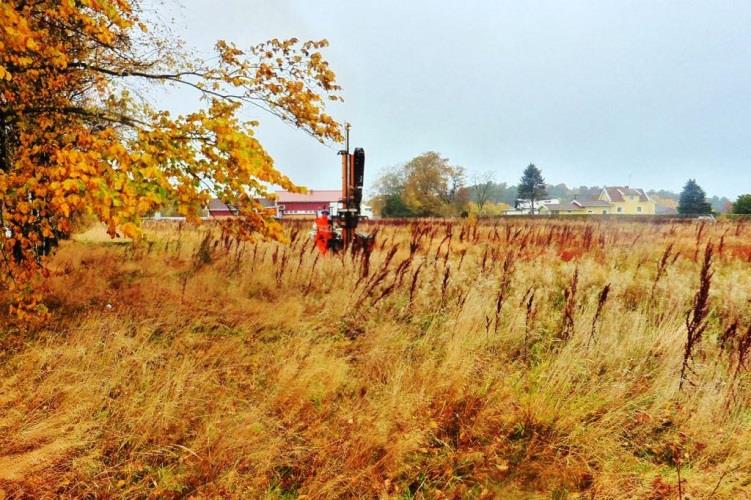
(389, 202)
(427, 186)
(742, 205)
(75, 141)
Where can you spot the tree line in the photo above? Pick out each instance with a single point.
(430, 186)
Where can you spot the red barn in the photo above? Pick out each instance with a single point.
(306, 205)
(217, 208)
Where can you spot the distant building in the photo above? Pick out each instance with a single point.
(524, 207)
(306, 205)
(288, 205)
(217, 208)
(577, 207)
(612, 200)
(628, 201)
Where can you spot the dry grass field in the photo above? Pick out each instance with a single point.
(517, 359)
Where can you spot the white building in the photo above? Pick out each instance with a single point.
(524, 207)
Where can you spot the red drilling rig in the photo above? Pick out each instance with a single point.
(338, 232)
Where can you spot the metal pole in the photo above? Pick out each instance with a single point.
(346, 192)
(347, 126)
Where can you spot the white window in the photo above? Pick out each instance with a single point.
(620, 210)
(638, 209)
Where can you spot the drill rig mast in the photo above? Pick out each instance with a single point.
(353, 176)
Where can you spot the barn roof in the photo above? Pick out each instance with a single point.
(312, 196)
(216, 204)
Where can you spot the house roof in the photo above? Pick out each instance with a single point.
(664, 210)
(617, 193)
(577, 205)
(562, 206)
(591, 203)
(216, 204)
(312, 196)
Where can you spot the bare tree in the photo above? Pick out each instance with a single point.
(483, 188)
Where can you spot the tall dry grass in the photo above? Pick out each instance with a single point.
(520, 359)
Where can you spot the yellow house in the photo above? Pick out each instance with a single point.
(577, 207)
(612, 200)
(628, 201)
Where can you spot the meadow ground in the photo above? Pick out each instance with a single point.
(516, 359)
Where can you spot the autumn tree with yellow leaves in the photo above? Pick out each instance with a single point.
(74, 139)
(426, 186)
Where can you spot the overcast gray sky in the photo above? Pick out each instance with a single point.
(646, 93)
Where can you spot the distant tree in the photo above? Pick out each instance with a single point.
(491, 209)
(461, 199)
(720, 204)
(394, 207)
(742, 205)
(558, 191)
(693, 200)
(665, 204)
(458, 193)
(482, 190)
(589, 192)
(388, 200)
(532, 185)
(503, 193)
(665, 194)
(427, 186)
(665, 198)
